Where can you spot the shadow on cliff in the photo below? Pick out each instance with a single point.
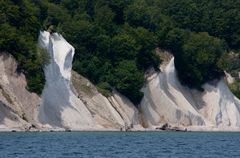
(6, 112)
(56, 93)
(60, 106)
(2, 112)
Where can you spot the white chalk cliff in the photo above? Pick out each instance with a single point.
(167, 101)
(60, 105)
(70, 101)
(113, 112)
(18, 107)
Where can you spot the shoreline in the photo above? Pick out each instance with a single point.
(13, 130)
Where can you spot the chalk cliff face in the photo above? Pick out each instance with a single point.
(61, 107)
(70, 101)
(167, 101)
(18, 107)
(113, 112)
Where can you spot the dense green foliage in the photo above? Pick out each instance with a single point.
(198, 56)
(110, 52)
(232, 65)
(235, 88)
(219, 18)
(19, 27)
(205, 52)
(115, 39)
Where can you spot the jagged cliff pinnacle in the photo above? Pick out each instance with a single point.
(60, 106)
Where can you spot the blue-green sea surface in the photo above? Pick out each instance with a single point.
(119, 144)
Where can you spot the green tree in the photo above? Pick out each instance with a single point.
(199, 60)
(123, 47)
(128, 80)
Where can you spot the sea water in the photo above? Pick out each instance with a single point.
(119, 144)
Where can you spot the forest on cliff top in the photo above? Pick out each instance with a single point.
(115, 40)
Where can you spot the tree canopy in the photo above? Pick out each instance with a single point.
(115, 40)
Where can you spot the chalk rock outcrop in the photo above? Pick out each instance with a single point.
(18, 107)
(113, 112)
(60, 106)
(167, 101)
(70, 101)
(82, 107)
